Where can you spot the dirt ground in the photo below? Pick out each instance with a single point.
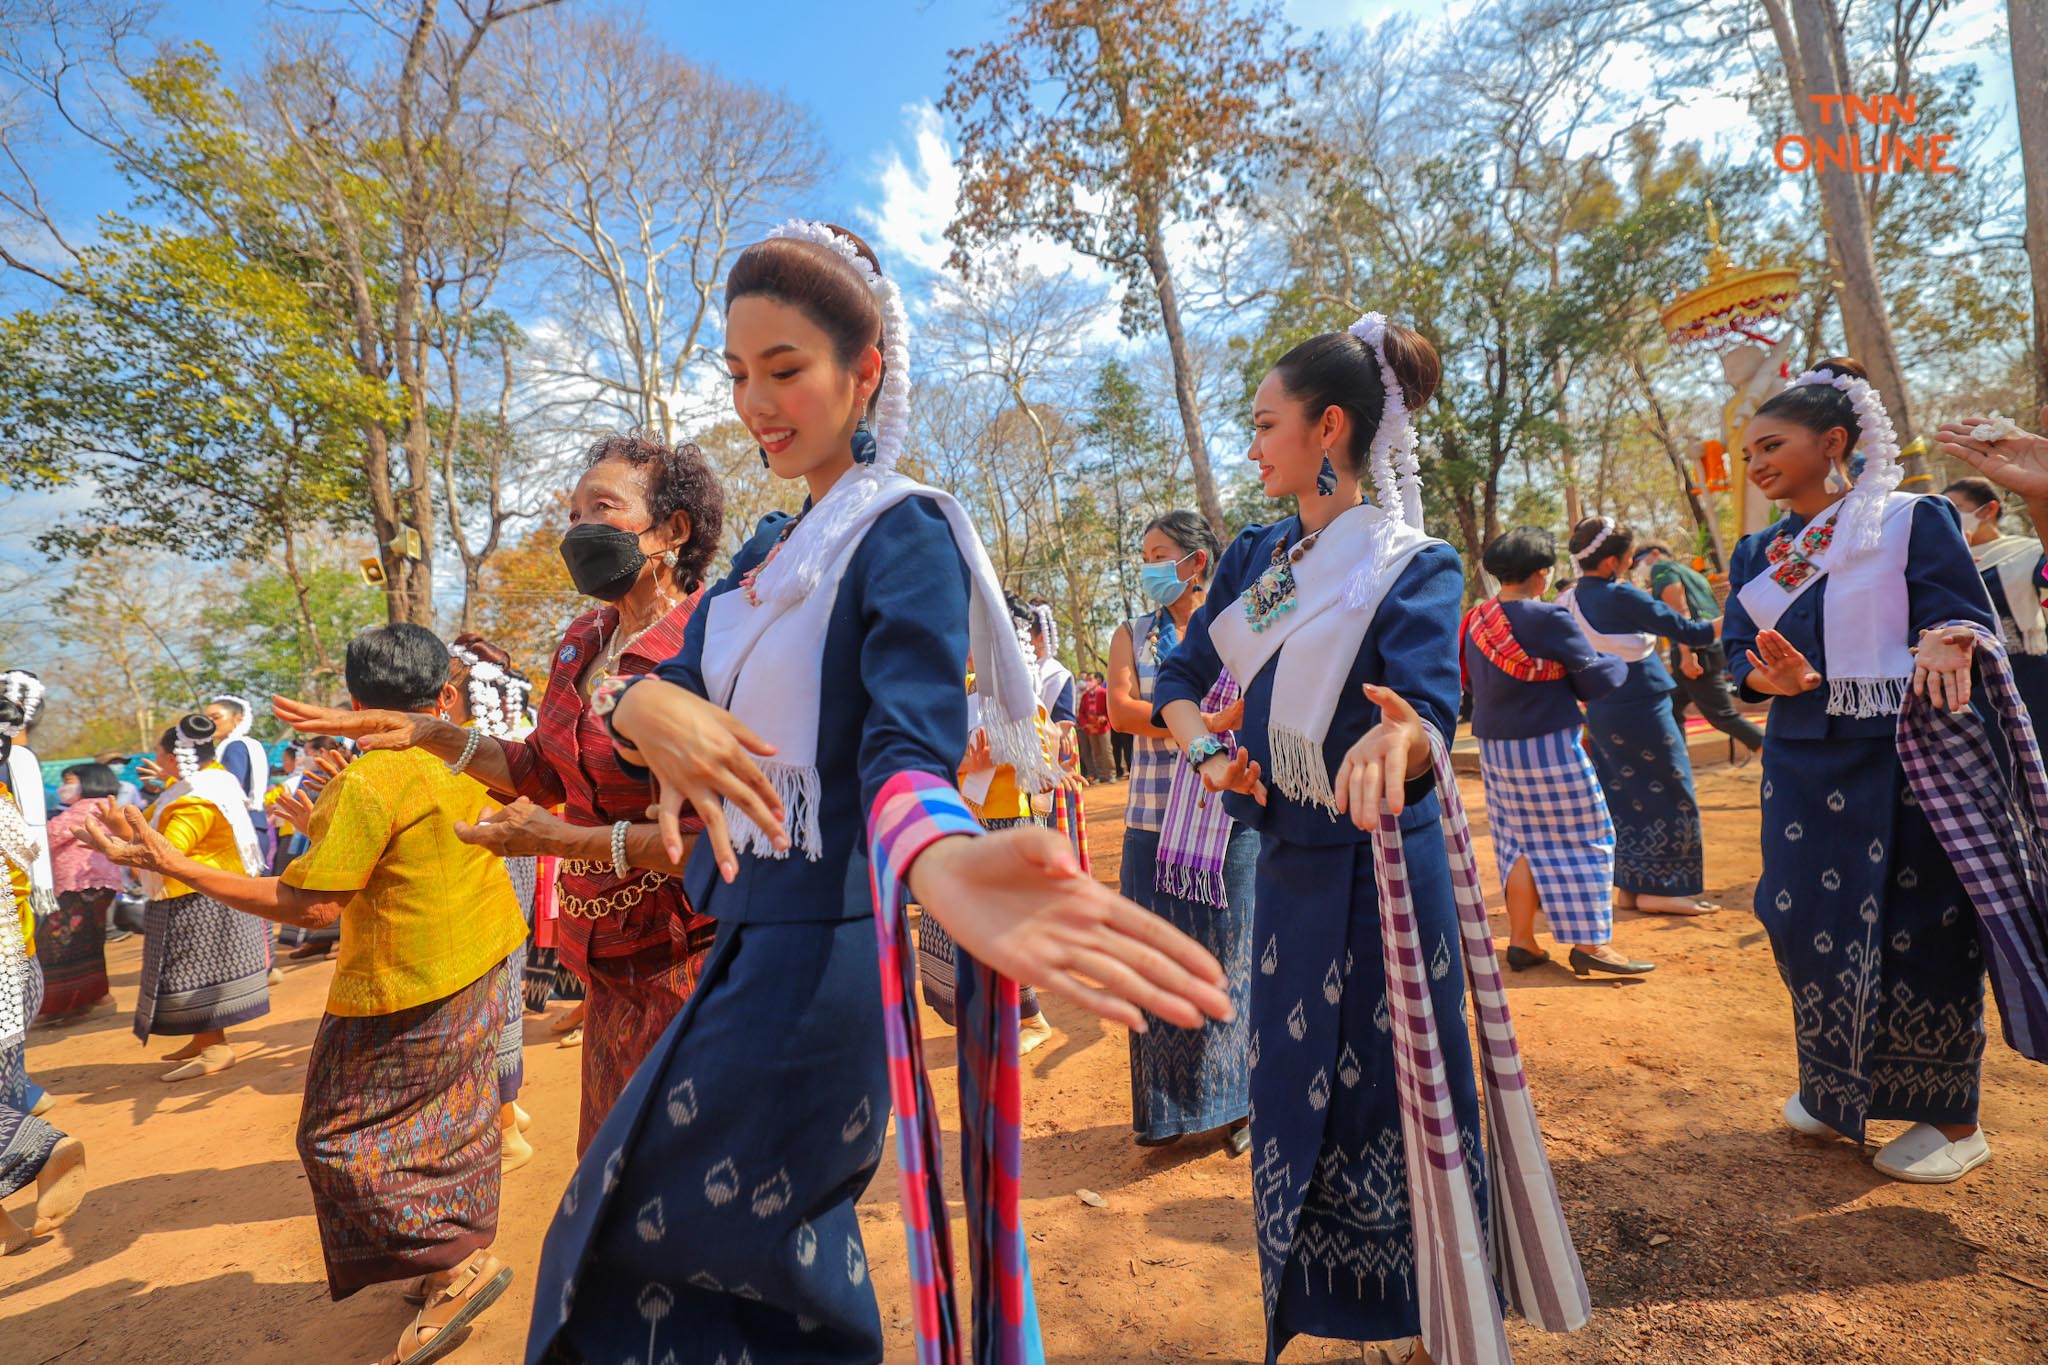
(1708, 1231)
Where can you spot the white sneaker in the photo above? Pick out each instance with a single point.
(1924, 1157)
(1800, 1121)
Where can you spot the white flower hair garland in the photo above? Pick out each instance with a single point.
(26, 691)
(489, 697)
(1857, 524)
(246, 712)
(892, 404)
(1396, 474)
(185, 750)
(1041, 614)
(796, 569)
(1606, 529)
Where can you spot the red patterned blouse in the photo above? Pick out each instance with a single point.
(568, 760)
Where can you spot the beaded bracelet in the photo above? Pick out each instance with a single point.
(476, 739)
(619, 864)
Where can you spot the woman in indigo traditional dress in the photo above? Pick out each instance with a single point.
(1830, 617)
(2015, 573)
(1341, 624)
(714, 1214)
(1638, 746)
(1530, 666)
(1184, 858)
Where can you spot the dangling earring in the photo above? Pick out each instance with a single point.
(764, 459)
(1326, 477)
(863, 443)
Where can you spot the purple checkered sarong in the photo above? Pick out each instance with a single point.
(1532, 1257)
(1992, 828)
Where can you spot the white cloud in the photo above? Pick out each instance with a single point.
(916, 198)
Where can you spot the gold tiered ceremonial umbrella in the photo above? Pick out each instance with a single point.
(1736, 306)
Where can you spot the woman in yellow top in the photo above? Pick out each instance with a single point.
(399, 1129)
(30, 1149)
(992, 794)
(205, 968)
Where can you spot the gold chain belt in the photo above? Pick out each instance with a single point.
(619, 901)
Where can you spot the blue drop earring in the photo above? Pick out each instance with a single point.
(1326, 477)
(863, 443)
(764, 459)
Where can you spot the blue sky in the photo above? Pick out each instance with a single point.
(863, 69)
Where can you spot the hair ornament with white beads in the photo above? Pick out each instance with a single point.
(1858, 524)
(795, 571)
(1396, 472)
(185, 746)
(489, 696)
(1586, 557)
(892, 403)
(25, 690)
(1041, 616)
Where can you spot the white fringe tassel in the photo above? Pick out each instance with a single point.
(797, 787)
(1866, 697)
(1014, 741)
(1189, 883)
(1298, 769)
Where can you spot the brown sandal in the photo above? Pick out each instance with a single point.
(476, 1287)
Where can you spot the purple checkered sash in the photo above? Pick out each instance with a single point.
(1992, 832)
(1531, 1255)
(1194, 833)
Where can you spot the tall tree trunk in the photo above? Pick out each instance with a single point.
(2029, 24)
(1183, 369)
(302, 596)
(1817, 55)
(1662, 429)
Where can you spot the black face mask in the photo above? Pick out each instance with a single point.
(603, 560)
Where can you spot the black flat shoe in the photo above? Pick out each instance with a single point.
(1521, 959)
(1157, 1142)
(1583, 962)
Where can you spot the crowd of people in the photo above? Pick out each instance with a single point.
(739, 780)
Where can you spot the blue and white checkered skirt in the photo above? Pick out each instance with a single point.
(1543, 803)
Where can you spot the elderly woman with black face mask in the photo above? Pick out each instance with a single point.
(644, 522)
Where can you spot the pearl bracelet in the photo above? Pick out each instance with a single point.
(476, 738)
(619, 863)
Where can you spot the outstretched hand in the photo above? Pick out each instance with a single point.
(369, 729)
(1238, 772)
(519, 830)
(701, 755)
(1375, 769)
(1018, 901)
(1941, 666)
(2017, 463)
(295, 808)
(1778, 668)
(122, 835)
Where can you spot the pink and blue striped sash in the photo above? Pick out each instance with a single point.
(913, 810)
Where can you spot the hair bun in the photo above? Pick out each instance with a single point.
(1847, 366)
(1415, 363)
(197, 727)
(10, 712)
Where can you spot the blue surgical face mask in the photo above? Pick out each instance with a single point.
(1161, 582)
